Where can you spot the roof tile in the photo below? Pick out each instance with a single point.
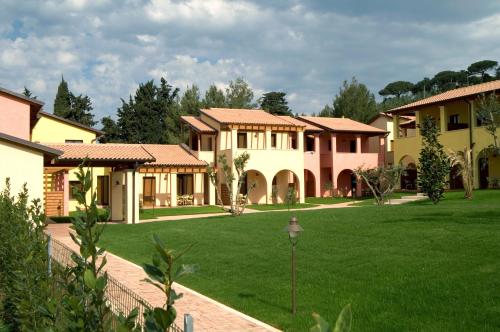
(341, 124)
(197, 124)
(244, 116)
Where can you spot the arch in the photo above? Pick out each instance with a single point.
(346, 182)
(310, 183)
(257, 180)
(488, 168)
(409, 176)
(456, 181)
(282, 182)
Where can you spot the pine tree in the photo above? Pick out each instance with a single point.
(111, 131)
(27, 92)
(190, 102)
(433, 165)
(239, 94)
(62, 103)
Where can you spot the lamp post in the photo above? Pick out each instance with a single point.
(293, 229)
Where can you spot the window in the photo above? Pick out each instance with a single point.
(73, 186)
(352, 146)
(210, 144)
(184, 184)
(454, 119)
(310, 143)
(103, 190)
(194, 142)
(73, 141)
(242, 140)
(273, 140)
(294, 140)
(329, 145)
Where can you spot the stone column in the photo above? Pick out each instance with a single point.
(358, 144)
(173, 189)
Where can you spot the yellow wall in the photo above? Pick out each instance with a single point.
(451, 140)
(22, 166)
(49, 130)
(96, 171)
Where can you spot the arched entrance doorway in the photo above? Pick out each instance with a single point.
(346, 183)
(310, 183)
(284, 182)
(456, 181)
(409, 175)
(256, 187)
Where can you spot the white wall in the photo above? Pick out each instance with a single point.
(21, 165)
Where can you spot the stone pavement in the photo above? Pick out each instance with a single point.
(208, 314)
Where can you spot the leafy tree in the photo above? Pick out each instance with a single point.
(76, 108)
(111, 130)
(423, 87)
(190, 102)
(397, 89)
(275, 103)
(381, 181)
(81, 110)
(214, 97)
(463, 160)
(488, 113)
(326, 112)
(62, 102)
(481, 68)
(27, 92)
(433, 165)
(390, 103)
(239, 94)
(151, 116)
(446, 80)
(354, 101)
(237, 202)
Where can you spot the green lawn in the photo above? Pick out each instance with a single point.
(268, 207)
(367, 201)
(177, 211)
(103, 216)
(414, 267)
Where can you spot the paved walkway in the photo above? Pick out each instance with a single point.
(208, 314)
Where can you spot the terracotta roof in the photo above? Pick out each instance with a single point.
(103, 152)
(341, 124)
(452, 94)
(46, 150)
(197, 124)
(70, 122)
(244, 116)
(387, 115)
(171, 155)
(297, 122)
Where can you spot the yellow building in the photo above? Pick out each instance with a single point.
(455, 113)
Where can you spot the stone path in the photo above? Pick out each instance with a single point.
(208, 314)
(407, 199)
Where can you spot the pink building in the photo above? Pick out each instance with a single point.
(333, 148)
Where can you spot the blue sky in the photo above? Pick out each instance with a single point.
(304, 48)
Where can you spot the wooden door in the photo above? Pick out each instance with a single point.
(149, 191)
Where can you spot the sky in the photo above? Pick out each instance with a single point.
(307, 49)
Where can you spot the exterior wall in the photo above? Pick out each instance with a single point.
(451, 139)
(96, 171)
(312, 163)
(48, 130)
(22, 166)
(14, 117)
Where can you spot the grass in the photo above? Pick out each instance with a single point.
(367, 201)
(177, 211)
(268, 207)
(413, 267)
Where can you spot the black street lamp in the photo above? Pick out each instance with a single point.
(293, 229)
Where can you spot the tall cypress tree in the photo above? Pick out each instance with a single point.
(62, 103)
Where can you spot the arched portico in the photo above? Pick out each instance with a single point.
(258, 184)
(311, 187)
(347, 184)
(409, 175)
(281, 184)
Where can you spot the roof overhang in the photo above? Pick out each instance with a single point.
(48, 152)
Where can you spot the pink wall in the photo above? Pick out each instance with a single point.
(320, 164)
(14, 117)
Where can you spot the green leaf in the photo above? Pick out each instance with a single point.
(344, 320)
(185, 269)
(321, 324)
(101, 283)
(89, 279)
(154, 273)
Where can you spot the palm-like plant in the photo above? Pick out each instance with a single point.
(463, 161)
